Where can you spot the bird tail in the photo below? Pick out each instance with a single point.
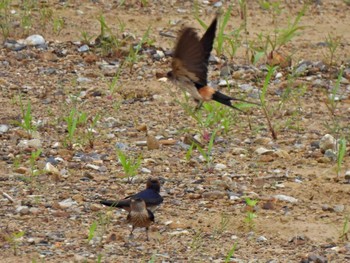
(112, 203)
(226, 100)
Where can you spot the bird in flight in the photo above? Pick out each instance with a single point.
(150, 196)
(139, 215)
(190, 66)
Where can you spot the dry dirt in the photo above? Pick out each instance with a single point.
(204, 211)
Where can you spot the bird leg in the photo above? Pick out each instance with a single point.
(199, 105)
(131, 235)
(147, 237)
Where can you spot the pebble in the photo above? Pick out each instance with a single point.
(22, 210)
(286, 198)
(246, 87)
(330, 154)
(261, 239)
(145, 170)
(83, 80)
(218, 4)
(327, 142)
(67, 203)
(339, 208)
(220, 166)
(225, 83)
(35, 143)
(347, 176)
(4, 128)
(262, 150)
(51, 169)
(14, 45)
(83, 48)
(34, 40)
(152, 143)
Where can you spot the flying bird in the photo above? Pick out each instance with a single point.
(150, 195)
(190, 66)
(139, 215)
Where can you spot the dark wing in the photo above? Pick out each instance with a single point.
(189, 60)
(208, 39)
(150, 215)
(150, 197)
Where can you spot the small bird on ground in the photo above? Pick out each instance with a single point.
(190, 66)
(139, 215)
(150, 195)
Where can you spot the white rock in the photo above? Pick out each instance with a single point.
(279, 75)
(164, 79)
(327, 142)
(34, 40)
(67, 203)
(51, 169)
(220, 166)
(286, 198)
(3, 128)
(145, 170)
(262, 150)
(92, 166)
(224, 83)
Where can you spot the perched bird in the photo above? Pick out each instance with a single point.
(139, 215)
(190, 66)
(150, 195)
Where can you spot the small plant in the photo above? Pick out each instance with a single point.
(74, 119)
(341, 154)
(207, 153)
(108, 43)
(130, 164)
(134, 51)
(86, 38)
(90, 129)
(264, 105)
(332, 44)
(345, 229)
(34, 156)
(230, 253)
(58, 25)
(13, 239)
(26, 116)
(222, 227)
(92, 230)
(250, 215)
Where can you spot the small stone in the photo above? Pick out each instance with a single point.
(225, 83)
(152, 143)
(83, 80)
(262, 151)
(67, 203)
(279, 75)
(34, 211)
(22, 210)
(145, 170)
(261, 239)
(94, 167)
(95, 207)
(327, 142)
(141, 143)
(218, 4)
(34, 40)
(83, 48)
(21, 170)
(339, 208)
(286, 198)
(51, 169)
(142, 127)
(35, 143)
(4, 128)
(330, 154)
(220, 166)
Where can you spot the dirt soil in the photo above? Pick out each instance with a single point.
(303, 206)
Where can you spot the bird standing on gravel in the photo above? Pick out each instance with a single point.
(150, 196)
(190, 66)
(139, 215)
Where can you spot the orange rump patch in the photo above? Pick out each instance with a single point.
(206, 93)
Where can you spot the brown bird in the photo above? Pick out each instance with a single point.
(150, 195)
(139, 215)
(190, 66)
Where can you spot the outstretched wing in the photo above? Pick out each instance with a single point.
(207, 40)
(189, 60)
